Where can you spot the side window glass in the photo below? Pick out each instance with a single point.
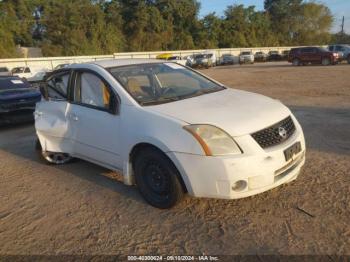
(91, 90)
(57, 86)
(27, 70)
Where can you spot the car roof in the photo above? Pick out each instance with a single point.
(124, 62)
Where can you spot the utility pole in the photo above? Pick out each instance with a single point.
(342, 26)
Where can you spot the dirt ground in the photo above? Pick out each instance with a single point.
(81, 208)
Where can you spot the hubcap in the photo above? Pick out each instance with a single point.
(56, 158)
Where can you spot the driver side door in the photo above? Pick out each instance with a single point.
(95, 120)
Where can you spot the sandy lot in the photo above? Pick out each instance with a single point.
(81, 208)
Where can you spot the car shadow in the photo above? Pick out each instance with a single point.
(20, 140)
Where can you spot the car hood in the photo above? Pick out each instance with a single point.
(237, 112)
(18, 93)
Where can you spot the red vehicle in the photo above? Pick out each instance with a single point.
(312, 55)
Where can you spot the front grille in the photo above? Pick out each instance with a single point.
(275, 134)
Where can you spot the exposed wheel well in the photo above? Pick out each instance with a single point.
(137, 149)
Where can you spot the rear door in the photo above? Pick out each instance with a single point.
(51, 120)
(95, 127)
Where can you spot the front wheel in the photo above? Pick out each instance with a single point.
(296, 62)
(157, 179)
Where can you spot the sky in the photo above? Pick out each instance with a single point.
(339, 9)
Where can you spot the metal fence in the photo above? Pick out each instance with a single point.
(48, 63)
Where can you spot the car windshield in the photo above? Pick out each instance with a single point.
(245, 53)
(157, 83)
(3, 69)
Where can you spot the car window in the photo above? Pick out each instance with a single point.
(307, 50)
(57, 86)
(157, 83)
(92, 90)
(27, 70)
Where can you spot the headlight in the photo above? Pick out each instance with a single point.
(214, 141)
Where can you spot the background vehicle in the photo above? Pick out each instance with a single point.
(177, 59)
(342, 50)
(285, 55)
(260, 57)
(274, 56)
(246, 57)
(60, 66)
(37, 77)
(17, 100)
(312, 55)
(164, 56)
(169, 129)
(202, 60)
(227, 59)
(4, 71)
(22, 72)
(212, 56)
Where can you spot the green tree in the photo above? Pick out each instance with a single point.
(314, 25)
(8, 27)
(284, 15)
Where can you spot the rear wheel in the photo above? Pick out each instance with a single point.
(296, 62)
(157, 178)
(326, 61)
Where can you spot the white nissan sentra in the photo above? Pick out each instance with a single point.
(168, 129)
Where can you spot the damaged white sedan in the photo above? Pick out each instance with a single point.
(168, 129)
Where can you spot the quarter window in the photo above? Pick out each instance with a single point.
(92, 90)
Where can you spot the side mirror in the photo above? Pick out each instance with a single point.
(114, 105)
(44, 91)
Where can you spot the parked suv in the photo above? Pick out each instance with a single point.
(344, 50)
(313, 55)
(246, 57)
(260, 57)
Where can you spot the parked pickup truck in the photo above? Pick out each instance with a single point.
(312, 55)
(17, 100)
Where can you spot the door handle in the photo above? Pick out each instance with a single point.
(74, 117)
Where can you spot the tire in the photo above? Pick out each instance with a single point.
(326, 61)
(296, 62)
(52, 158)
(157, 178)
(348, 59)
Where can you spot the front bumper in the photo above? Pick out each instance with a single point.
(259, 169)
(246, 60)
